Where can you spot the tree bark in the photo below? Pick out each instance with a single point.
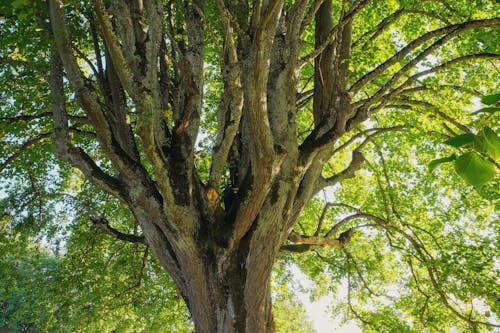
(235, 300)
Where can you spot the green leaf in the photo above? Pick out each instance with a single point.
(487, 110)
(474, 169)
(433, 164)
(460, 140)
(19, 3)
(488, 141)
(490, 99)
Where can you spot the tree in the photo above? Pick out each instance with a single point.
(207, 130)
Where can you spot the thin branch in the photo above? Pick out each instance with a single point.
(25, 146)
(437, 110)
(440, 87)
(25, 117)
(444, 299)
(321, 219)
(425, 258)
(388, 182)
(449, 32)
(350, 258)
(29, 117)
(377, 131)
(371, 35)
(358, 215)
(356, 314)
(310, 16)
(313, 240)
(387, 21)
(417, 284)
(104, 225)
(378, 95)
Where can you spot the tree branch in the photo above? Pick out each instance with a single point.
(298, 248)
(265, 157)
(231, 108)
(25, 146)
(356, 162)
(378, 95)
(104, 225)
(334, 31)
(29, 117)
(122, 68)
(310, 16)
(65, 151)
(371, 35)
(314, 240)
(387, 21)
(449, 32)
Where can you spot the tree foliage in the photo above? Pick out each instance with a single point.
(215, 140)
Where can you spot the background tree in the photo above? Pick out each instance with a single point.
(222, 136)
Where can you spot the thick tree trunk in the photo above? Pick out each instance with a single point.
(232, 303)
(224, 296)
(226, 286)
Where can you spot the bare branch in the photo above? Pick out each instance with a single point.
(122, 68)
(356, 162)
(449, 32)
(231, 108)
(104, 225)
(314, 240)
(378, 95)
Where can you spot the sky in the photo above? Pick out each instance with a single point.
(317, 311)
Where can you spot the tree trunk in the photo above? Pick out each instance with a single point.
(222, 294)
(235, 302)
(226, 286)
